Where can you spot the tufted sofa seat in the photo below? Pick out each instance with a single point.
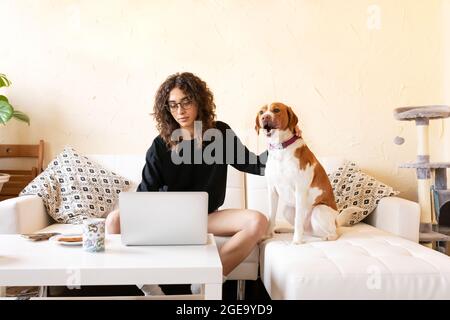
(364, 263)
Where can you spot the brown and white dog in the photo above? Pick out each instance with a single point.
(295, 177)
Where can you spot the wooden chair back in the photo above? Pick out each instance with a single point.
(20, 178)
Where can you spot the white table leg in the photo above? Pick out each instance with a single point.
(2, 291)
(213, 291)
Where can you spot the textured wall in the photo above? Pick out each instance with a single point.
(446, 42)
(86, 71)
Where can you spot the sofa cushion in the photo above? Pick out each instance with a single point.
(357, 192)
(235, 192)
(364, 263)
(331, 164)
(74, 188)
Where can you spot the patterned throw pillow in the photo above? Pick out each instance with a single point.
(74, 188)
(357, 194)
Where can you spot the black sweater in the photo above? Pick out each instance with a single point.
(160, 173)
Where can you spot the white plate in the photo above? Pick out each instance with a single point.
(55, 239)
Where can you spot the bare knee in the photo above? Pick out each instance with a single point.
(113, 222)
(257, 224)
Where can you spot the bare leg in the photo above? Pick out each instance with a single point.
(113, 222)
(247, 228)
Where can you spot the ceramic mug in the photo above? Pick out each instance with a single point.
(94, 234)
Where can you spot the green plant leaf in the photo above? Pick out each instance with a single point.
(4, 82)
(6, 111)
(21, 116)
(3, 98)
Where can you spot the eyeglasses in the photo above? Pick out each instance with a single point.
(185, 104)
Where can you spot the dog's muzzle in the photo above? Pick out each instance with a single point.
(268, 127)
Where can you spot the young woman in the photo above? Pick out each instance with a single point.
(182, 104)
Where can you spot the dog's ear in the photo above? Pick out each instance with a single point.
(292, 119)
(257, 126)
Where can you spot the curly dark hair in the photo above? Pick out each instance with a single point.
(197, 90)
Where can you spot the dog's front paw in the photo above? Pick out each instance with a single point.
(297, 240)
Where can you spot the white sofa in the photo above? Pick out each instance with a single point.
(376, 259)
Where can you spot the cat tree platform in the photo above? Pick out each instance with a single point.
(422, 112)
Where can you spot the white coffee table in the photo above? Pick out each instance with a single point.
(26, 263)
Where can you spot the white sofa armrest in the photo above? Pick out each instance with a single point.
(25, 214)
(398, 216)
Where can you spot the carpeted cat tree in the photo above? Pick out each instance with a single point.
(429, 192)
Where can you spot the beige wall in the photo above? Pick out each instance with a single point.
(86, 71)
(446, 42)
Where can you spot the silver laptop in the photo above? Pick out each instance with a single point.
(163, 218)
